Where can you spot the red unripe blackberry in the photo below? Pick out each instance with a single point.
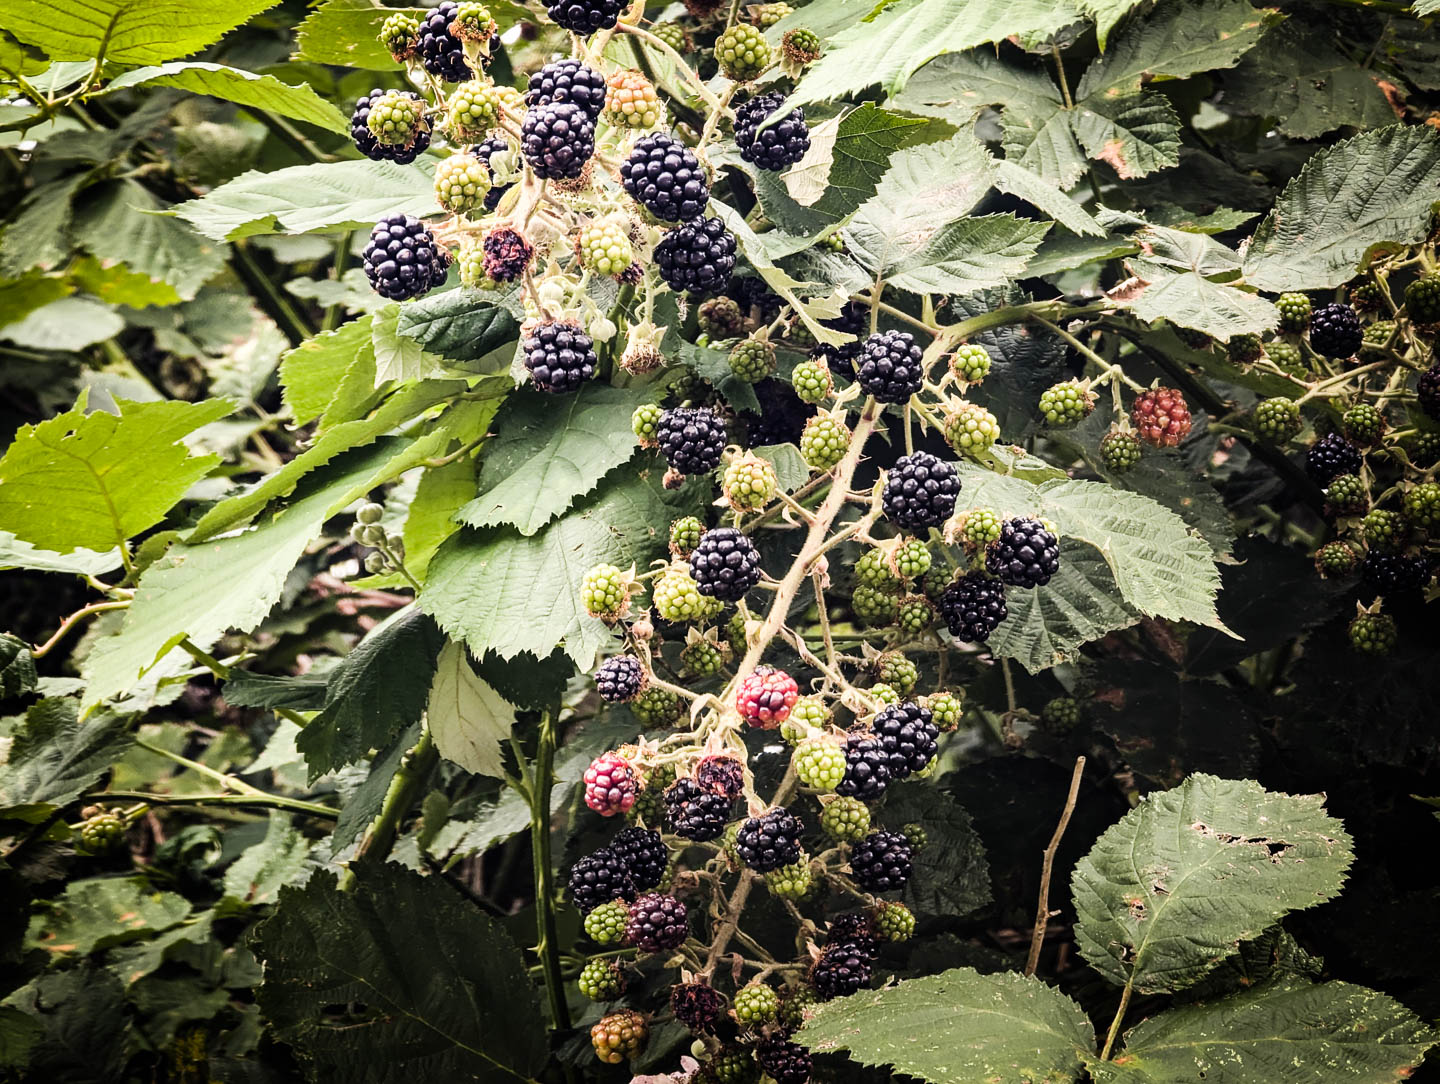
(610, 785)
(1161, 417)
(766, 696)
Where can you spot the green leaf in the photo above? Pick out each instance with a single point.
(262, 92)
(119, 474)
(119, 222)
(1181, 880)
(125, 31)
(1107, 13)
(22, 296)
(952, 873)
(1047, 196)
(1366, 191)
(82, 1020)
(246, 689)
(299, 199)
(1285, 1032)
(1188, 299)
(397, 357)
(54, 758)
(385, 982)
(347, 32)
(958, 86)
(468, 718)
(257, 876)
(17, 667)
(1134, 135)
(970, 254)
(19, 1032)
(363, 805)
(958, 1027)
(791, 471)
(72, 323)
(463, 326)
(315, 374)
(104, 911)
(431, 516)
(548, 454)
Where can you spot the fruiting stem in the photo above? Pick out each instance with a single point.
(227, 781)
(414, 769)
(74, 619)
(547, 945)
(273, 801)
(1047, 867)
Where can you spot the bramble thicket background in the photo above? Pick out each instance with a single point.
(699, 541)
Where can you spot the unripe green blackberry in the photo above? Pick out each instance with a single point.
(673, 35)
(730, 1065)
(979, 527)
(605, 592)
(720, 318)
(685, 535)
(604, 248)
(619, 1036)
(911, 559)
(1363, 424)
(1383, 529)
(793, 1004)
(824, 442)
(874, 606)
(473, 111)
(752, 360)
(657, 707)
(756, 1004)
(400, 33)
(1347, 495)
(702, 658)
(1288, 357)
(461, 183)
(1120, 450)
(914, 832)
(971, 429)
(832, 242)
(945, 710)
(845, 819)
(799, 336)
(645, 424)
(631, 101)
(1424, 449)
(915, 614)
(767, 15)
(873, 569)
(1378, 334)
(605, 925)
(1336, 559)
(885, 694)
(1367, 298)
(895, 670)
(396, 119)
(1061, 715)
(1066, 404)
(1278, 419)
(1244, 349)
(1294, 312)
(809, 714)
(970, 363)
(104, 831)
(742, 52)
(370, 513)
(470, 261)
(819, 764)
(601, 980)
(1422, 299)
(735, 633)
(677, 598)
(791, 882)
(893, 922)
(473, 22)
(1422, 506)
(1374, 634)
(649, 805)
(749, 483)
(811, 381)
(800, 47)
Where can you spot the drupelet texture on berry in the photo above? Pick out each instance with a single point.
(908, 735)
(485, 152)
(1427, 390)
(664, 176)
(557, 140)
(610, 784)
(890, 366)
(722, 775)
(403, 259)
(782, 144)
(442, 53)
(973, 606)
(725, 564)
(1161, 417)
(1335, 331)
(1025, 554)
(920, 491)
(371, 147)
(696, 1005)
(1331, 456)
(882, 861)
(697, 257)
(786, 1062)
(867, 768)
(1394, 573)
(600, 878)
(692, 440)
(567, 80)
(840, 970)
(695, 813)
(769, 841)
(658, 922)
(560, 357)
(643, 853)
(585, 16)
(766, 697)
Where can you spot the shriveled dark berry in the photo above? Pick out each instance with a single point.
(696, 1005)
(721, 775)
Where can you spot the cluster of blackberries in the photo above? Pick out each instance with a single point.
(371, 147)
(560, 357)
(890, 366)
(920, 491)
(634, 861)
(694, 812)
(664, 176)
(692, 440)
(585, 16)
(767, 842)
(725, 564)
(442, 53)
(867, 768)
(697, 257)
(783, 143)
(403, 259)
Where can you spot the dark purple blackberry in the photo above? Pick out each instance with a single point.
(782, 414)
(1335, 331)
(854, 928)
(657, 923)
(890, 367)
(442, 53)
(881, 862)
(721, 775)
(786, 1062)
(664, 176)
(643, 853)
(769, 841)
(557, 140)
(585, 16)
(867, 768)
(1427, 390)
(756, 300)
(600, 878)
(568, 80)
(619, 679)
(694, 813)
(853, 320)
(507, 254)
(371, 147)
(403, 259)
(972, 606)
(696, 1005)
(483, 151)
(840, 971)
(725, 564)
(920, 491)
(782, 144)
(560, 357)
(1394, 573)
(1025, 554)
(697, 257)
(908, 735)
(692, 440)
(1331, 456)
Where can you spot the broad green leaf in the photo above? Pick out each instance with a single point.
(970, 254)
(959, 1027)
(82, 1021)
(22, 296)
(1047, 196)
(299, 199)
(463, 326)
(1188, 299)
(263, 92)
(1375, 188)
(363, 805)
(1044, 142)
(1107, 15)
(468, 718)
(257, 876)
(72, 323)
(1286, 1032)
(119, 474)
(1134, 135)
(1062, 252)
(120, 223)
(104, 911)
(116, 284)
(347, 32)
(17, 667)
(952, 874)
(958, 86)
(54, 758)
(791, 472)
(246, 689)
(125, 31)
(314, 374)
(400, 956)
(1182, 879)
(548, 454)
(19, 1032)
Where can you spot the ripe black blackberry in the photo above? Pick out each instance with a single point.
(908, 735)
(585, 16)
(694, 813)
(1427, 390)
(920, 491)
(658, 923)
(560, 357)
(1331, 456)
(721, 775)
(692, 440)
(1394, 573)
(484, 151)
(839, 971)
(889, 366)
(769, 841)
(371, 147)
(786, 1062)
(600, 878)
(643, 853)
(782, 415)
(442, 53)
(725, 564)
(854, 928)
(867, 768)
(698, 256)
(568, 80)
(620, 678)
(973, 606)
(783, 143)
(1335, 331)
(696, 1005)
(403, 259)
(1025, 554)
(664, 176)
(557, 140)
(882, 861)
